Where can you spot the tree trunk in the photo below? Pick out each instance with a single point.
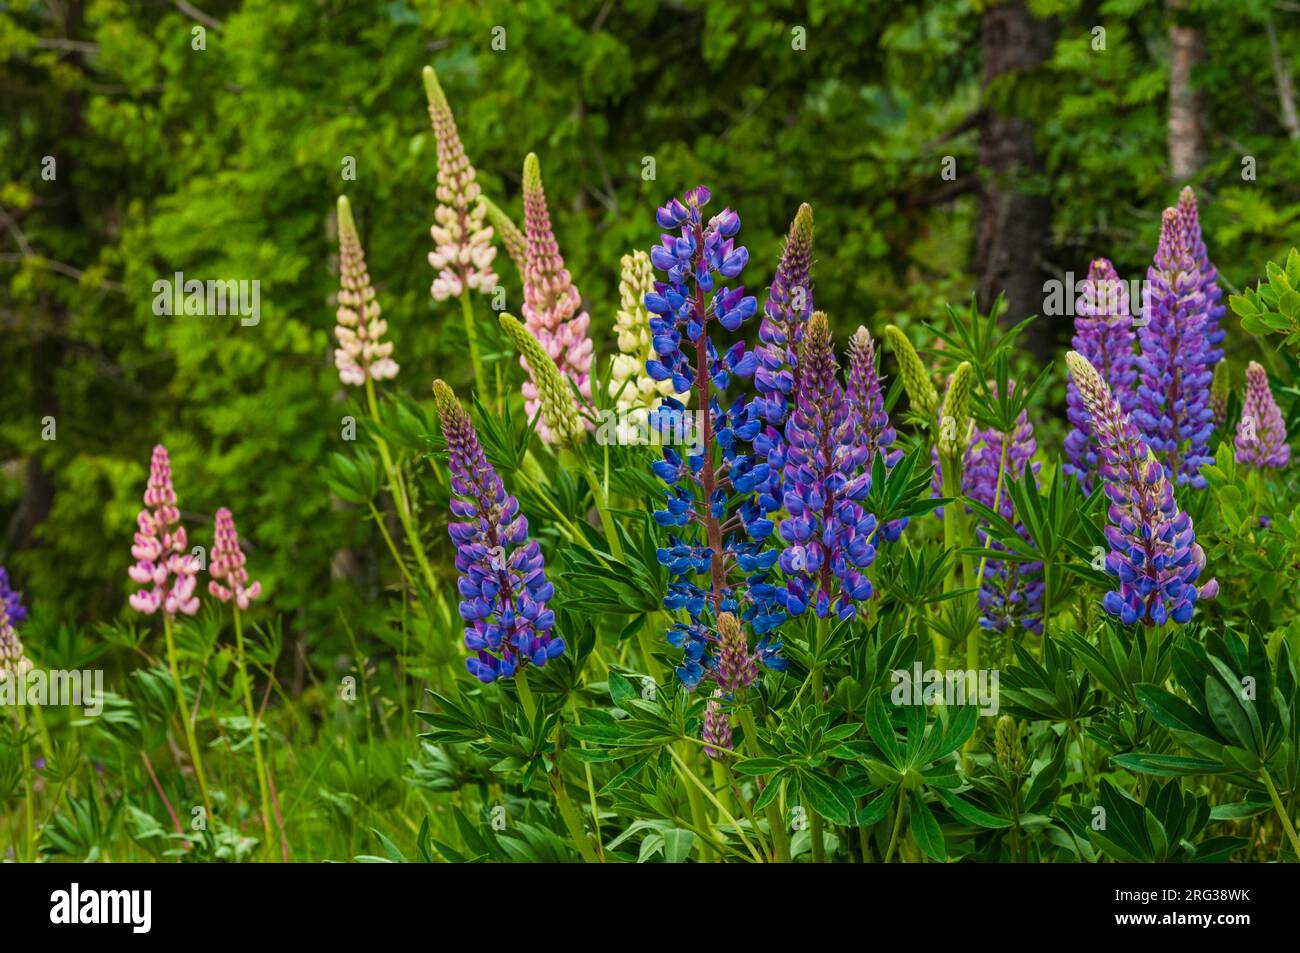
(1014, 226)
(1186, 128)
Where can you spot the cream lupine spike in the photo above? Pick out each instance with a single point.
(13, 662)
(635, 392)
(559, 420)
(360, 353)
(463, 251)
(514, 240)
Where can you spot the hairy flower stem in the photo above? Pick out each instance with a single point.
(255, 727)
(898, 826)
(601, 498)
(183, 712)
(708, 478)
(1283, 814)
(780, 841)
(591, 783)
(699, 814)
(398, 493)
(572, 820)
(471, 336)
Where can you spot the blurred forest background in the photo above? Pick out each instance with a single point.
(948, 148)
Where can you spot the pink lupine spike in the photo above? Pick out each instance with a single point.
(229, 577)
(361, 354)
(552, 305)
(1261, 432)
(160, 547)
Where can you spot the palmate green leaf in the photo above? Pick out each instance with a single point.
(971, 814)
(881, 730)
(827, 796)
(1168, 765)
(878, 808)
(1172, 712)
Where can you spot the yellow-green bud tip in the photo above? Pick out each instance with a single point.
(433, 89)
(346, 222)
(532, 171)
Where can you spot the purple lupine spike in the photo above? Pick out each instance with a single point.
(829, 537)
(1154, 553)
(1173, 411)
(867, 410)
(11, 601)
(552, 305)
(1190, 219)
(1011, 593)
(502, 584)
(160, 547)
(1103, 333)
(1261, 431)
(229, 577)
(717, 727)
(789, 305)
(711, 490)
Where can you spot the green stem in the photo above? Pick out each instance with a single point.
(398, 493)
(685, 771)
(183, 712)
(29, 798)
(602, 508)
(780, 841)
(255, 722)
(821, 635)
(572, 820)
(525, 694)
(471, 336)
(1282, 813)
(898, 826)
(699, 816)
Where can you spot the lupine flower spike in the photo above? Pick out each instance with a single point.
(502, 585)
(10, 600)
(1172, 410)
(13, 662)
(1154, 554)
(1190, 219)
(160, 548)
(552, 305)
(1261, 432)
(511, 237)
(229, 577)
(463, 250)
(829, 538)
(1220, 387)
(717, 727)
(634, 391)
(920, 389)
(361, 355)
(1103, 333)
(559, 421)
(711, 492)
(867, 411)
(789, 305)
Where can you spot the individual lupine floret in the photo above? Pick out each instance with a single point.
(229, 577)
(361, 354)
(1261, 431)
(828, 536)
(711, 499)
(920, 388)
(10, 600)
(634, 391)
(559, 420)
(503, 585)
(1172, 411)
(13, 661)
(1103, 333)
(463, 250)
(160, 548)
(1154, 553)
(1190, 220)
(867, 411)
(552, 305)
(511, 237)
